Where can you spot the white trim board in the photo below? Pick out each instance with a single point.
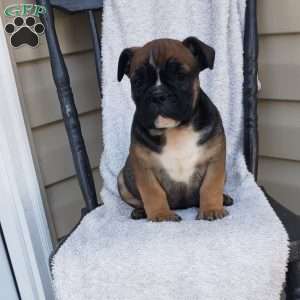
(7, 286)
(22, 214)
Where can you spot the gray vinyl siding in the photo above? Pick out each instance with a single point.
(279, 100)
(60, 187)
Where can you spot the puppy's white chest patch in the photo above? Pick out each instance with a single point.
(181, 154)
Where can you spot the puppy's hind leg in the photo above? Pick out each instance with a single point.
(126, 196)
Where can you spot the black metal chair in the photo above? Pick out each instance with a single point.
(76, 140)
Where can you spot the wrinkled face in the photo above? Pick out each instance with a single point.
(163, 92)
(164, 82)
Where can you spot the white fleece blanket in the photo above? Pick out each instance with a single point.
(110, 256)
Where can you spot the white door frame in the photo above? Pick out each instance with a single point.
(22, 213)
(8, 289)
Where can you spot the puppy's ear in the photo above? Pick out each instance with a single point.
(125, 61)
(204, 54)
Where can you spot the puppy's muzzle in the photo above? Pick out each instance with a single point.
(163, 100)
(159, 96)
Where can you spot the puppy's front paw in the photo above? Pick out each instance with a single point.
(168, 216)
(212, 214)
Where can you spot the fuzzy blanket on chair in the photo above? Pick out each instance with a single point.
(110, 256)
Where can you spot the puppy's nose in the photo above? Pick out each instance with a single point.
(159, 96)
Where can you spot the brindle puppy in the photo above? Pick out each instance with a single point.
(177, 153)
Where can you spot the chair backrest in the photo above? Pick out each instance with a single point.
(250, 87)
(76, 5)
(65, 94)
(72, 124)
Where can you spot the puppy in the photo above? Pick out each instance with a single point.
(177, 153)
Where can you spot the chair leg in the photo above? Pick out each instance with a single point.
(293, 281)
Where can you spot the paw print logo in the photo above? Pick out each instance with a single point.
(24, 32)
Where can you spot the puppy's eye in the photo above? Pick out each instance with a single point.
(138, 82)
(180, 76)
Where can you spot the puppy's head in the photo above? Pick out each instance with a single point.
(164, 79)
